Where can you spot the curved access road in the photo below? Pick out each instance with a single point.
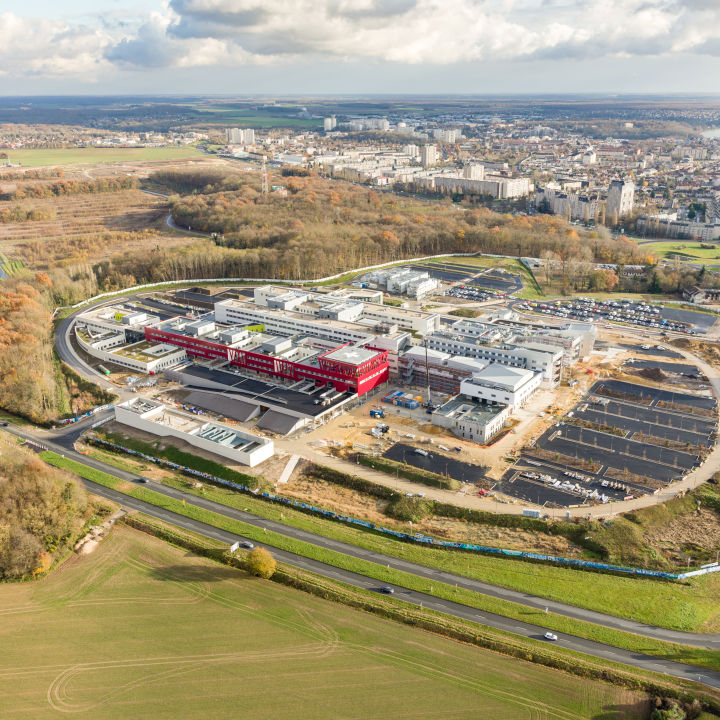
(64, 444)
(67, 354)
(188, 231)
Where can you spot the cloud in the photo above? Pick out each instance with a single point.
(203, 33)
(441, 32)
(50, 47)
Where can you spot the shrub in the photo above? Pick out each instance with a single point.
(261, 563)
(353, 482)
(669, 710)
(409, 508)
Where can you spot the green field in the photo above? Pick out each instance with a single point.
(249, 117)
(689, 606)
(92, 155)
(140, 629)
(689, 248)
(458, 562)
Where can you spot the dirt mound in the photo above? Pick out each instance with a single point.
(652, 374)
(708, 351)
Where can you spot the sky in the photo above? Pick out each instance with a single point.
(359, 46)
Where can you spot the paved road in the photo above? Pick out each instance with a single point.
(68, 354)
(599, 650)
(171, 224)
(64, 444)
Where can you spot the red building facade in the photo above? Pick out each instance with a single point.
(345, 377)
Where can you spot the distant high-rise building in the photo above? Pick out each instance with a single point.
(448, 136)
(474, 172)
(428, 155)
(589, 157)
(411, 150)
(329, 123)
(379, 124)
(236, 136)
(620, 199)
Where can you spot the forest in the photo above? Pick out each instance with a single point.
(33, 383)
(314, 227)
(42, 512)
(318, 227)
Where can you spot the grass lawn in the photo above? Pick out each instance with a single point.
(690, 248)
(74, 156)
(456, 562)
(688, 606)
(142, 629)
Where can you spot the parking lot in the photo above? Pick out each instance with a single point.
(544, 482)
(651, 397)
(446, 272)
(648, 421)
(469, 292)
(609, 452)
(626, 312)
(603, 447)
(435, 462)
(506, 283)
(645, 447)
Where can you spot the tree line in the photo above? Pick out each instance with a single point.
(36, 174)
(70, 187)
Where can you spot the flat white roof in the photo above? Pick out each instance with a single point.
(496, 374)
(418, 353)
(351, 355)
(460, 362)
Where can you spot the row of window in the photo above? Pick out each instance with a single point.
(294, 326)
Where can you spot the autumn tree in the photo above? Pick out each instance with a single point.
(260, 563)
(604, 280)
(42, 511)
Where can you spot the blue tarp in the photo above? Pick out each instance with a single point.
(403, 536)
